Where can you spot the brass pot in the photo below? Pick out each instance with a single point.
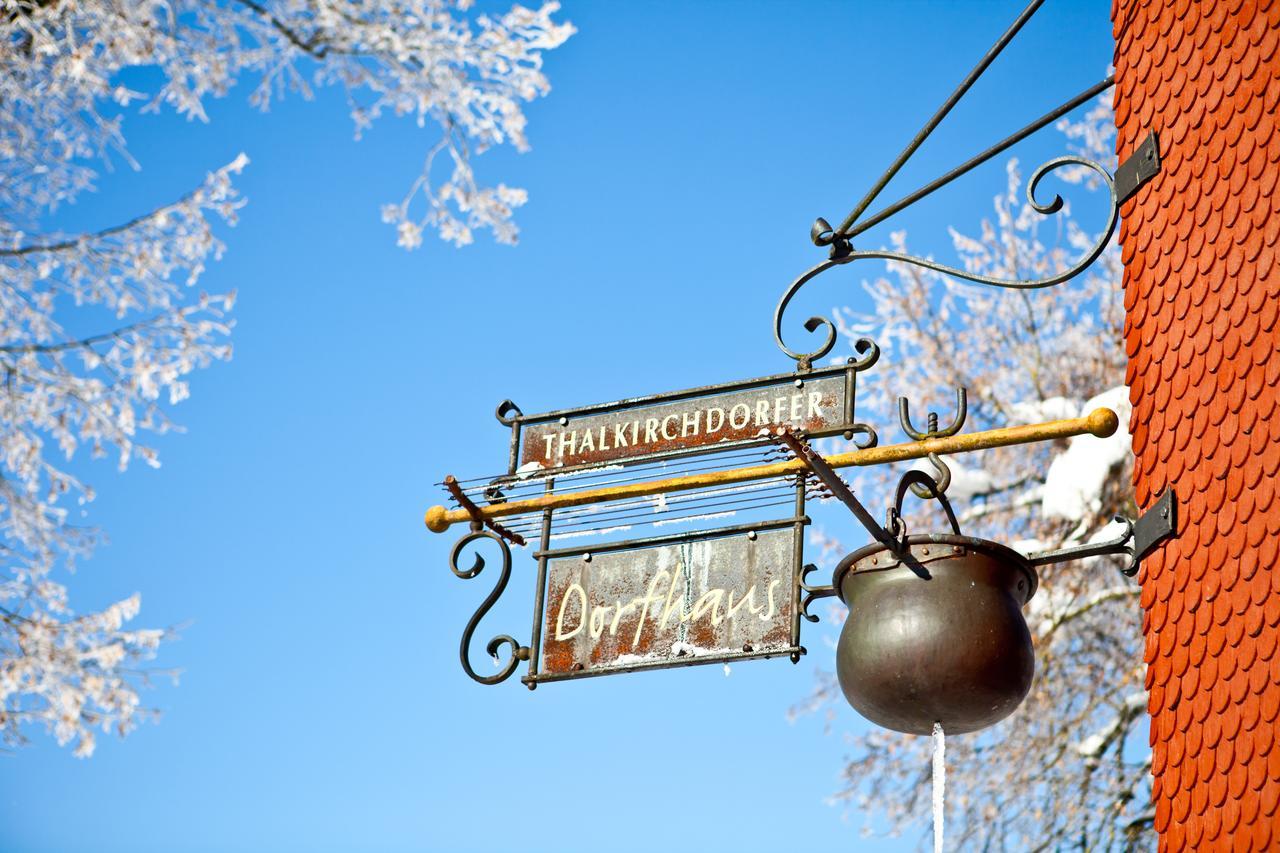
(939, 638)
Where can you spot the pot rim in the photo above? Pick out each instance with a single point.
(1002, 553)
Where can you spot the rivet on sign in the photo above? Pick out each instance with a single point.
(924, 551)
(751, 534)
(875, 560)
(586, 558)
(746, 647)
(956, 549)
(799, 383)
(564, 422)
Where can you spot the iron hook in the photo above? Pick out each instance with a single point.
(962, 410)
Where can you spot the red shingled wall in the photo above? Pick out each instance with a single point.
(1201, 248)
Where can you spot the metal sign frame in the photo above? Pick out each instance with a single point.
(794, 650)
(509, 414)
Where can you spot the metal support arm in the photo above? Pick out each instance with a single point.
(1138, 540)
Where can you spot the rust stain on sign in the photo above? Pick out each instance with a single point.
(812, 405)
(669, 603)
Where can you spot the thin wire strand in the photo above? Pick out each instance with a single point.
(713, 512)
(702, 502)
(639, 471)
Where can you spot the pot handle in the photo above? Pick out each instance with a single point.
(927, 487)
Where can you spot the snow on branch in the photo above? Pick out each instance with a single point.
(463, 75)
(467, 76)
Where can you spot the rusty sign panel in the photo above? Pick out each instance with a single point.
(818, 403)
(692, 600)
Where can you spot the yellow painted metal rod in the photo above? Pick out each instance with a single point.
(1099, 422)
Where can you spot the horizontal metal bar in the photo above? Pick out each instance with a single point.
(1099, 422)
(1079, 552)
(1111, 547)
(979, 159)
(671, 663)
(670, 538)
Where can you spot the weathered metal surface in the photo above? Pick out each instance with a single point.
(814, 405)
(670, 603)
(935, 635)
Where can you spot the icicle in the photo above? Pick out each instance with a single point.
(939, 783)
(726, 670)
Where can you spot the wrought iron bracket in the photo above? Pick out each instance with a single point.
(1138, 168)
(813, 593)
(1138, 540)
(518, 651)
(1155, 525)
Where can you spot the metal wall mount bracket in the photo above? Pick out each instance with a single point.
(1138, 540)
(1138, 168)
(1155, 525)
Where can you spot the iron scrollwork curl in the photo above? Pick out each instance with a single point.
(812, 593)
(841, 257)
(518, 652)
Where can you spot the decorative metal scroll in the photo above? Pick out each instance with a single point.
(1133, 172)
(843, 254)
(518, 652)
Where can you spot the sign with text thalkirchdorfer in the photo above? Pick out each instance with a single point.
(819, 403)
(711, 599)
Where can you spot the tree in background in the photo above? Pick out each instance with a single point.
(1070, 769)
(64, 389)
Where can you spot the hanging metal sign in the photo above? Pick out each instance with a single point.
(713, 596)
(714, 417)
(720, 595)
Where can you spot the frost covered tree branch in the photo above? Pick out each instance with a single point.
(99, 331)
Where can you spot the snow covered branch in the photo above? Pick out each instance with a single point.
(99, 331)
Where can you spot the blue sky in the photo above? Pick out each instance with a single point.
(676, 168)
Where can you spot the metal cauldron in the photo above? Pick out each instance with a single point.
(938, 637)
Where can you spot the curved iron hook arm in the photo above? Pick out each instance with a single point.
(518, 652)
(812, 593)
(932, 430)
(813, 324)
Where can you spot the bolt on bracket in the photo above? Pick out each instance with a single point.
(1138, 168)
(1155, 525)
